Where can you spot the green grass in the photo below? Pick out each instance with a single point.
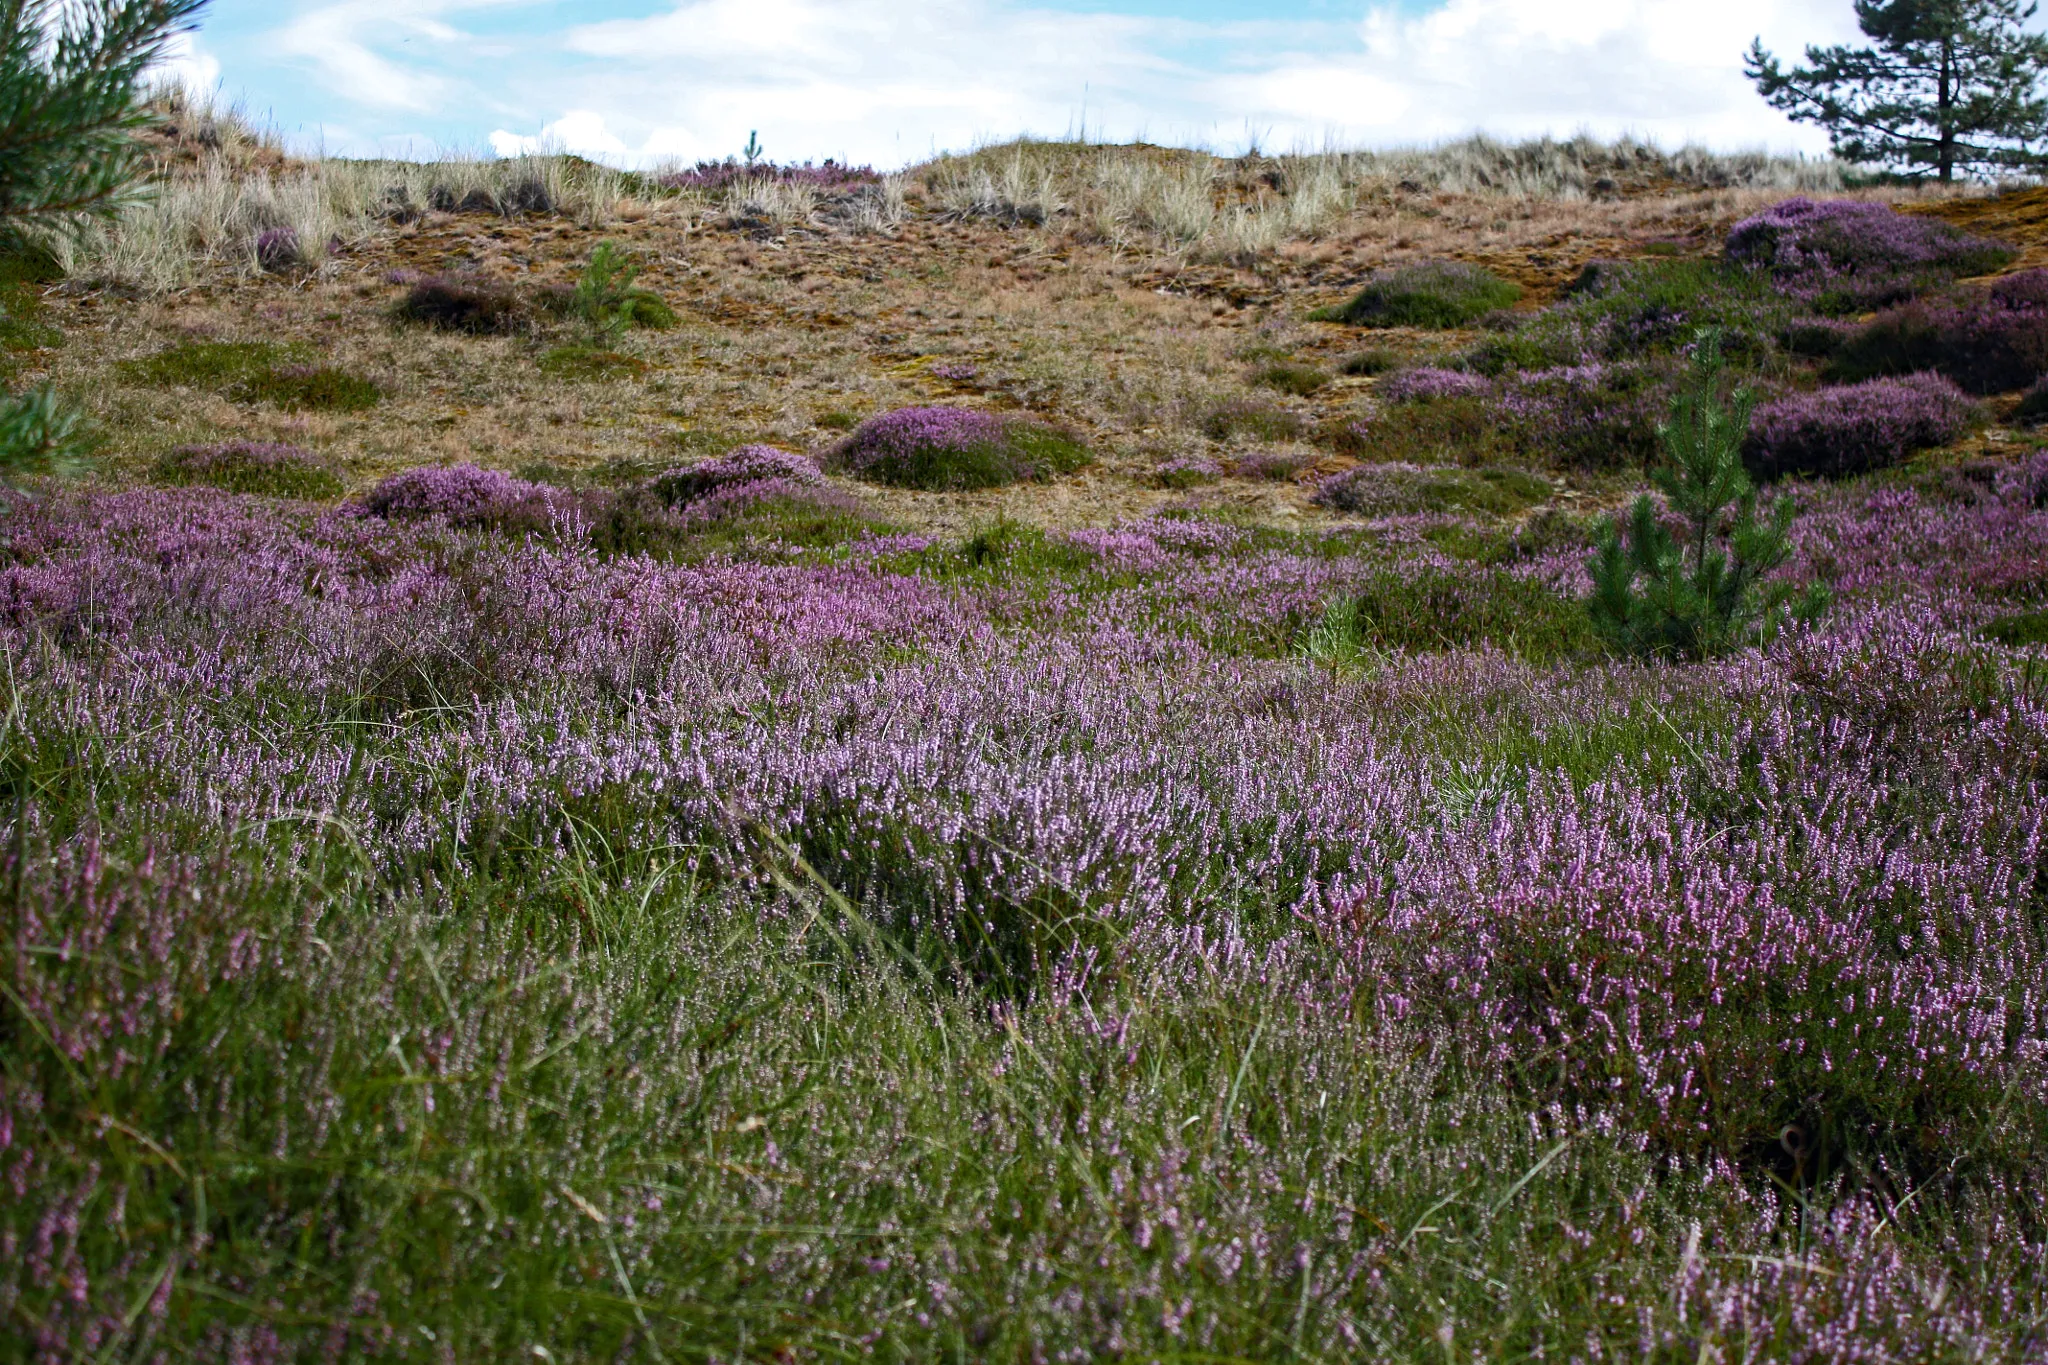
(1427, 610)
(307, 389)
(233, 471)
(1291, 378)
(2019, 630)
(584, 364)
(1429, 294)
(206, 364)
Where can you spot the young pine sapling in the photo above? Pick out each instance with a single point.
(1708, 593)
(607, 301)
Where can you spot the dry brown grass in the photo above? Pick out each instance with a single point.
(790, 328)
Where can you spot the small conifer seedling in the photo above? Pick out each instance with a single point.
(1658, 595)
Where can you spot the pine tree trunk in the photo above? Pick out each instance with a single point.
(1945, 115)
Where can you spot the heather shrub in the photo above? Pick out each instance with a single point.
(1273, 466)
(307, 388)
(1434, 294)
(1423, 609)
(1708, 593)
(943, 449)
(1249, 419)
(1842, 256)
(464, 304)
(746, 465)
(465, 496)
(1292, 378)
(1856, 428)
(1186, 471)
(1390, 490)
(1365, 364)
(1620, 312)
(279, 250)
(1427, 384)
(271, 471)
(2033, 404)
(1991, 341)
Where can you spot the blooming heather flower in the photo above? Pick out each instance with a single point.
(1857, 427)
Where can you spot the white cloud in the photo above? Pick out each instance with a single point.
(186, 63)
(889, 81)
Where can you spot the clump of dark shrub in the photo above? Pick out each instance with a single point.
(2033, 406)
(1365, 364)
(1857, 427)
(1435, 294)
(279, 250)
(1389, 490)
(720, 175)
(1289, 377)
(1234, 419)
(1273, 466)
(1591, 416)
(752, 494)
(1989, 341)
(307, 388)
(463, 304)
(1843, 256)
(273, 471)
(956, 448)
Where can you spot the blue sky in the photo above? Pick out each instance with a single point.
(891, 81)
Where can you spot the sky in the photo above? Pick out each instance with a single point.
(891, 82)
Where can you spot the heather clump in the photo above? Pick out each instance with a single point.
(1250, 419)
(1708, 590)
(948, 449)
(473, 304)
(463, 496)
(1392, 490)
(268, 470)
(1186, 471)
(1431, 294)
(307, 388)
(1291, 377)
(1989, 341)
(1427, 384)
(1622, 311)
(1855, 428)
(1846, 256)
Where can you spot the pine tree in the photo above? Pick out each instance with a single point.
(70, 74)
(1659, 595)
(1949, 87)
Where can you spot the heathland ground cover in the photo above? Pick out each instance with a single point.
(998, 792)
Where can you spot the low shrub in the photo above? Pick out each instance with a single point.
(590, 365)
(1391, 490)
(2033, 404)
(1187, 471)
(746, 465)
(1365, 364)
(1601, 416)
(464, 304)
(1239, 419)
(1273, 466)
(1426, 608)
(939, 449)
(1991, 341)
(465, 496)
(1844, 256)
(307, 388)
(278, 250)
(271, 471)
(1623, 311)
(1856, 428)
(1288, 377)
(1427, 384)
(1433, 294)
(609, 304)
